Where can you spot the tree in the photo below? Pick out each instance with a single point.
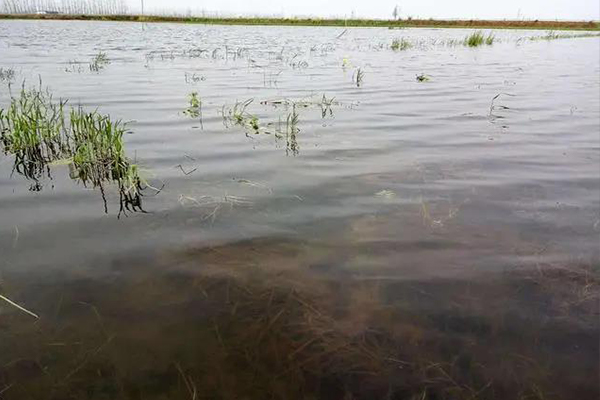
(396, 12)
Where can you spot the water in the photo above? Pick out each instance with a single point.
(419, 239)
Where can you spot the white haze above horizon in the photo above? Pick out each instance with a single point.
(457, 9)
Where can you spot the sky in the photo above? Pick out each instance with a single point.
(463, 9)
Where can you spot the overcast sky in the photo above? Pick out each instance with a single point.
(466, 9)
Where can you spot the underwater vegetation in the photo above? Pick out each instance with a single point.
(40, 132)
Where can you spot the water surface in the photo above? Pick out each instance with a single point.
(413, 239)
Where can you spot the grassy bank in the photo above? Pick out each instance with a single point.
(412, 23)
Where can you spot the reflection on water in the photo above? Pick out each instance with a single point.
(415, 240)
(38, 132)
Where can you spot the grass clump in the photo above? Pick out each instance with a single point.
(194, 109)
(40, 132)
(7, 74)
(552, 35)
(99, 62)
(477, 39)
(237, 115)
(400, 44)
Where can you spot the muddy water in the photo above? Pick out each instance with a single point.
(408, 240)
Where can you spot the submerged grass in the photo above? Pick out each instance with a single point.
(40, 132)
(244, 333)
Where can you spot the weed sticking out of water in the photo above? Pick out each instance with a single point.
(99, 62)
(494, 114)
(74, 66)
(291, 131)
(422, 78)
(326, 106)
(193, 78)
(358, 77)
(40, 132)
(271, 79)
(237, 115)
(477, 39)
(552, 35)
(7, 75)
(194, 109)
(400, 44)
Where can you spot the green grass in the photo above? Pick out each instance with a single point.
(552, 35)
(99, 62)
(400, 44)
(416, 23)
(477, 39)
(40, 132)
(194, 109)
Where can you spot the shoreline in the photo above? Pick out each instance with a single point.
(364, 23)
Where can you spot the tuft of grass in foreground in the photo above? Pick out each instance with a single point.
(40, 132)
(477, 39)
(400, 44)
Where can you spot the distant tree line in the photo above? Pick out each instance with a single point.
(90, 7)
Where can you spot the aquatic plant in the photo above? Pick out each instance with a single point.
(74, 66)
(99, 62)
(194, 109)
(7, 74)
(40, 132)
(326, 106)
(193, 77)
(237, 115)
(477, 39)
(400, 44)
(552, 35)
(291, 131)
(358, 77)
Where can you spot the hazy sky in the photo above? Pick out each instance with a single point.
(497, 9)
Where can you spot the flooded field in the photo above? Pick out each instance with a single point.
(298, 213)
